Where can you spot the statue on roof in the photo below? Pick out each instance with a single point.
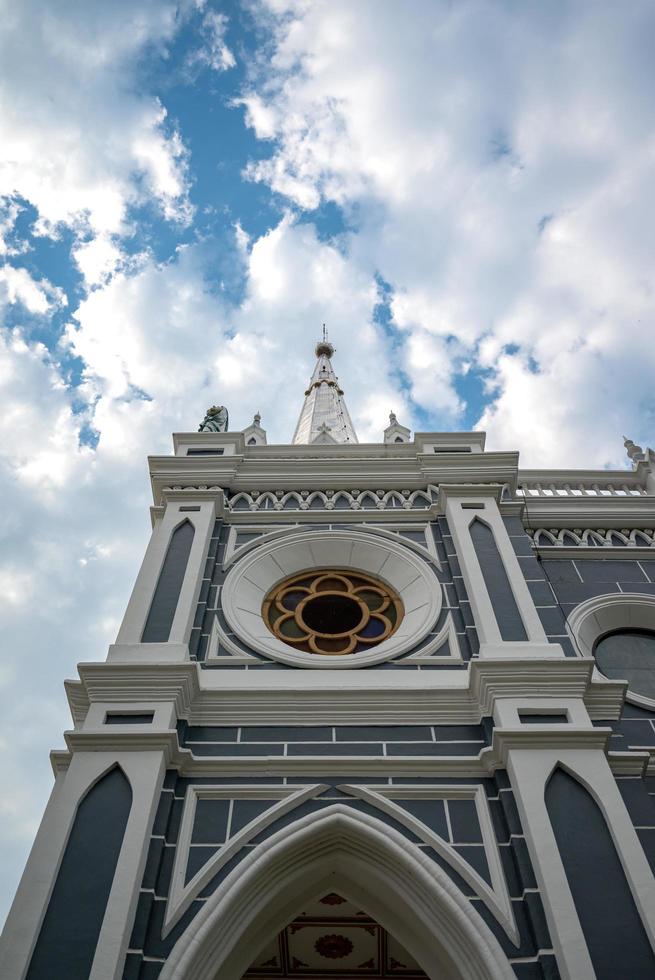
(635, 452)
(216, 420)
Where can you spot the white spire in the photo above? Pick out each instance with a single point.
(324, 417)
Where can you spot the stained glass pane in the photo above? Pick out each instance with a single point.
(374, 627)
(291, 599)
(630, 656)
(372, 599)
(289, 627)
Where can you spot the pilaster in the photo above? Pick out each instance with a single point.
(532, 752)
(462, 504)
(200, 510)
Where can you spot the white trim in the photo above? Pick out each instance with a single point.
(393, 532)
(605, 614)
(495, 897)
(181, 895)
(218, 637)
(428, 654)
(246, 586)
(370, 864)
(582, 553)
(232, 552)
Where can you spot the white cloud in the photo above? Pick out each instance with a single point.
(98, 259)
(79, 142)
(497, 163)
(18, 286)
(158, 346)
(214, 53)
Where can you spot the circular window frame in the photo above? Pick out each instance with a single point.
(596, 618)
(254, 575)
(352, 584)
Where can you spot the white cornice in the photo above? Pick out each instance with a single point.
(635, 478)
(560, 737)
(584, 551)
(628, 763)
(344, 468)
(606, 512)
(207, 697)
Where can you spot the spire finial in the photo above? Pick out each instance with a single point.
(324, 346)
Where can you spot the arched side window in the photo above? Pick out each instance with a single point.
(629, 655)
(167, 592)
(612, 927)
(69, 934)
(497, 582)
(619, 631)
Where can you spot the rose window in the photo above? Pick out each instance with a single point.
(332, 612)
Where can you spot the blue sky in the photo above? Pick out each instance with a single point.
(462, 191)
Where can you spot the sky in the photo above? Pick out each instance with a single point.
(462, 191)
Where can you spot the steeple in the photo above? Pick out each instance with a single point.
(324, 417)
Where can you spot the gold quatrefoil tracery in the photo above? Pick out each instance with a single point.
(334, 612)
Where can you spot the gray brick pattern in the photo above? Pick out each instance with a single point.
(379, 740)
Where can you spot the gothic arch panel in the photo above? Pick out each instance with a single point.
(497, 582)
(83, 882)
(611, 924)
(169, 584)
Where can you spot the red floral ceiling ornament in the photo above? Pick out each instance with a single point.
(333, 947)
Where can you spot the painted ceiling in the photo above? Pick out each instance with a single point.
(333, 938)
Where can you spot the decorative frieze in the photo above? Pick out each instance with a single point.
(593, 537)
(277, 500)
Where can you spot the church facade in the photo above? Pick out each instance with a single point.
(374, 710)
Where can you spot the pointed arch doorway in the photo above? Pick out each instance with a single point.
(369, 864)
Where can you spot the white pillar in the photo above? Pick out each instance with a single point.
(461, 504)
(530, 766)
(145, 771)
(201, 512)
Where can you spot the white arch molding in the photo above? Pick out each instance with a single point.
(370, 864)
(609, 613)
